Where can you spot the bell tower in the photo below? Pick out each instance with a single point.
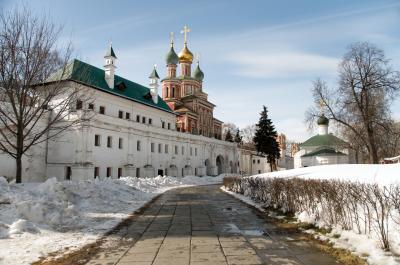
(185, 56)
(109, 67)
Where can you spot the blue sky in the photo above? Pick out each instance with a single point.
(253, 53)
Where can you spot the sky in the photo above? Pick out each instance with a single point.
(253, 53)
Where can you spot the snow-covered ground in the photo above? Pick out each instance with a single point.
(365, 173)
(39, 218)
(365, 245)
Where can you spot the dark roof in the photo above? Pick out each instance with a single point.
(154, 74)
(324, 152)
(322, 120)
(198, 74)
(110, 52)
(323, 140)
(172, 57)
(94, 77)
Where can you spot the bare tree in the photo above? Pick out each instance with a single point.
(248, 133)
(31, 112)
(228, 126)
(361, 102)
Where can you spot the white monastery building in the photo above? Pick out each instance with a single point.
(128, 130)
(323, 148)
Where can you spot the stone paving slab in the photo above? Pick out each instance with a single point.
(204, 226)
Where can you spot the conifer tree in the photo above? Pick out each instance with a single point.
(238, 138)
(228, 136)
(265, 139)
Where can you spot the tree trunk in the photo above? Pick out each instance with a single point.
(373, 153)
(18, 173)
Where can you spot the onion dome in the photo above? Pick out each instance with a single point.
(172, 57)
(322, 120)
(185, 55)
(198, 74)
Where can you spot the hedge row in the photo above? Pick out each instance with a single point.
(365, 208)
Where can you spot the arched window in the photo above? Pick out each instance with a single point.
(173, 92)
(166, 92)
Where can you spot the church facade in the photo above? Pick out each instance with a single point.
(127, 129)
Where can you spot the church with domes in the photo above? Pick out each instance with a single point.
(183, 91)
(323, 148)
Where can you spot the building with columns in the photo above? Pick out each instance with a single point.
(184, 94)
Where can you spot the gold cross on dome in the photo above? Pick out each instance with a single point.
(185, 31)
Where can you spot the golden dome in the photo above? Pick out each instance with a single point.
(185, 55)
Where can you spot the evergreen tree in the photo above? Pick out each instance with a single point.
(238, 138)
(228, 136)
(265, 138)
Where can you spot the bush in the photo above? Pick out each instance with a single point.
(361, 207)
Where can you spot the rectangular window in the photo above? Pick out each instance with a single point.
(120, 143)
(91, 106)
(109, 172)
(127, 116)
(102, 110)
(138, 172)
(169, 126)
(119, 172)
(137, 118)
(150, 121)
(258, 161)
(195, 151)
(68, 173)
(120, 114)
(97, 140)
(159, 148)
(79, 104)
(109, 141)
(176, 149)
(96, 172)
(254, 161)
(152, 147)
(143, 119)
(138, 145)
(191, 151)
(183, 150)
(163, 124)
(166, 149)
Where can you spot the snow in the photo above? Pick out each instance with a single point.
(382, 174)
(40, 218)
(363, 245)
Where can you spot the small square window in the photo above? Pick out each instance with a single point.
(143, 119)
(127, 116)
(150, 121)
(137, 118)
(169, 126)
(91, 106)
(163, 124)
(79, 104)
(120, 114)
(102, 110)
(258, 161)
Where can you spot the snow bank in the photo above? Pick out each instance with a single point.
(383, 174)
(39, 218)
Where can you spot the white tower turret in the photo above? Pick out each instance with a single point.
(154, 85)
(109, 67)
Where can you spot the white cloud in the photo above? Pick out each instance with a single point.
(282, 65)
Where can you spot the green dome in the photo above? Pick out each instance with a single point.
(198, 74)
(172, 57)
(323, 120)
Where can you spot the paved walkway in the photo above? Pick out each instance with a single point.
(204, 226)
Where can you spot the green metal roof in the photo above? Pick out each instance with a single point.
(198, 74)
(172, 57)
(322, 120)
(324, 152)
(94, 77)
(323, 140)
